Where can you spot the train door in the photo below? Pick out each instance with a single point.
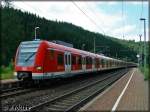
(96, 64)
(100, 64)
(67, 62)
(93, 64)
(83, 63)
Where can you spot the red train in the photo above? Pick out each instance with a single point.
(46, 60)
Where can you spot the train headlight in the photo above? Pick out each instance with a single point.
(39, 68)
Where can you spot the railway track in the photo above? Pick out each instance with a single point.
(15, 91)
(74, 99)
(6, 93)
(11, 89)
(18, 91)
(34, 97)
(19, 86)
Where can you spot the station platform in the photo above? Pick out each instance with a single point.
(129, 93)
(8, 81)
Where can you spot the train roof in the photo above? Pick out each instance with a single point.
(86, 53)
(70, 49)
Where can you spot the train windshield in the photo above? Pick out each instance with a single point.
(27, 53)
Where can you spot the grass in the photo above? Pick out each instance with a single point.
(6, 72)
(147, 72)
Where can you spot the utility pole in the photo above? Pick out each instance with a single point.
(94, 44)
(83, 45)
(116, 55)
(140, 50)
(35, 32)
(143, 19)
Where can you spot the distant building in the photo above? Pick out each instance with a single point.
(62, 43)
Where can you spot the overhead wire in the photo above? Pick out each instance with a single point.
(141, 15)
(28, 5)
(123, 19)
(96, 15)
(18, 7)
(83, 12)
(75, 5)
(35, 9)
(141, 9)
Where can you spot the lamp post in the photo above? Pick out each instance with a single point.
(140, 51)
(35, 32)
(143, 19)
(138, 57)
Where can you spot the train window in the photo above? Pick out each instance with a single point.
(96, 62)
(73, 60)
(93, 61)
(26, 58)
(79, 60)
(66, 61)
(87, 61)
(107, 63)
(69, 58)
(111, 63)
(51, 54)
(99, 61)
(60, 59)
(83, 60)
(90, 60)
(102, 62)
(27, 52)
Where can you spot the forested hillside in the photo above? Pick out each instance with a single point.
(17, 26)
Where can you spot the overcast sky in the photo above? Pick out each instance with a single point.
(112, 18)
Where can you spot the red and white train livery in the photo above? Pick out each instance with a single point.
(42, 59)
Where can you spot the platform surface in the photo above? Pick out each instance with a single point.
(8, 81)
(130, 93)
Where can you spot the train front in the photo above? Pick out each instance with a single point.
(26, 61)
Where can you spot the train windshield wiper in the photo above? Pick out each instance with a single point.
(30, 56)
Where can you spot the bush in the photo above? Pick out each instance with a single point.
(146, 72)
(7, 72)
